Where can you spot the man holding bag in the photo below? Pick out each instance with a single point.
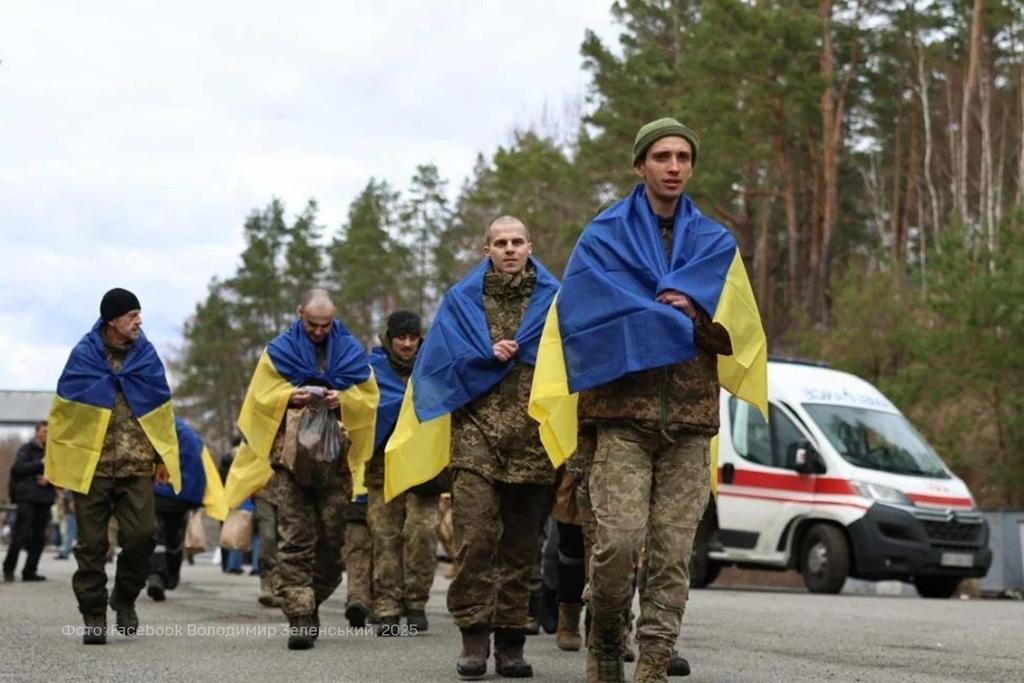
(309, 380)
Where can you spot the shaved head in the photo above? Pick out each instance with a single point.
(505, 221)
(317, 312)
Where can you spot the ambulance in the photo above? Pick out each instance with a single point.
(836, 484)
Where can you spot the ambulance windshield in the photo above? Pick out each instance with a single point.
(877, 440)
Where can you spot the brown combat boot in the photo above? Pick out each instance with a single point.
(508, 654)
(604, 656)
(300, 632)
(95, 631)
(567, 636)
(476, 649)
(652, 666)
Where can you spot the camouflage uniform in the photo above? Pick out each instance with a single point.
(122, 487)
(265, 520)
(404, 535)
(502, 481)
(358, 555)
(404, 551)
(648, 487)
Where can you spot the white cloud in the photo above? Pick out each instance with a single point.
(138, 135)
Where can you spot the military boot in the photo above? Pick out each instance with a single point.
(508, 654)
(388, 626)
(652, 666)
(126, 618)
(568, 635)
(604, 655)
(416, 619)
(476, 649)
(356, 613)
(534, 609)
(155, 589)
(677, 665)
(95, 631)
(300, 632)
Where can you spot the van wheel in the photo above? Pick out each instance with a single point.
(703, 570)
(824, 559)
(936, 586)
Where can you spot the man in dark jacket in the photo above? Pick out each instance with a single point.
(35, 495)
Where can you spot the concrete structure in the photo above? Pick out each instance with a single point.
(1007, 542)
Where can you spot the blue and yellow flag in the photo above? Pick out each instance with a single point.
(455, 365)
(392, 389)
(80, 412)
(200, 481)
(606, 322)
(288, 362)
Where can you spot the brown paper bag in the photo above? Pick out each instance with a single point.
(236, 534)
(195, 532)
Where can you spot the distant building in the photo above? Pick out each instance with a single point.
(19, 413)
(20, 410)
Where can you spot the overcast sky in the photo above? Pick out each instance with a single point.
(135, 136)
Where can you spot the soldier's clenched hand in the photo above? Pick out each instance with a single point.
(333, 398)
(300, 397)
(678, 301)
(505, 350)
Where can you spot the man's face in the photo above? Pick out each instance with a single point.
(41, 434)
(508, 247)
(405, 346)
(667, 167)
(317, 323)
(129, 325)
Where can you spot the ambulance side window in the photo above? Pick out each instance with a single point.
(751, 437)
(784, 433)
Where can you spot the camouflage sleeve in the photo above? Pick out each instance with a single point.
(711, 336)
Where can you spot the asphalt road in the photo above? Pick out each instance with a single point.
(211, 628)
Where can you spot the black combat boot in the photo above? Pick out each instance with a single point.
(300, 632)
(155, 589)
(389, 626)
(534, 610)
(95, 632)
(476, 649)
(508, 654)
(356, 613)
(416, 620)
(677, 665)
(126, 618)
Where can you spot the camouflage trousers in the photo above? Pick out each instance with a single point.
(358, 557)
(496, 535)
(404, 551)
(646, 491)
(265, 521)
(311, 537)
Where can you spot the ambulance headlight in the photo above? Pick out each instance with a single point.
(883, 494)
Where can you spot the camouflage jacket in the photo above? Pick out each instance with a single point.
(374, 474)
(492, 435)
(674, 398)
(127, 451)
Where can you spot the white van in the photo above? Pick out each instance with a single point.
(836, 484)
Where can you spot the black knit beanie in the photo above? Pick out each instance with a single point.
(117, 302)
(404, 322)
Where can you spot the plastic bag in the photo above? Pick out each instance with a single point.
(318, 444)
(236, 534)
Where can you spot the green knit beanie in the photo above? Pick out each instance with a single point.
(662, 128)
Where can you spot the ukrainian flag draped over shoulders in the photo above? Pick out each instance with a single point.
(606, 322)
(392, 389)
(288, 362)
(455, 365)
(200, 481)
(80, 413)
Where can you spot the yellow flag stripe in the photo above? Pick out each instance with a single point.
(745, 373)
(158, 424)
(213, 495)
(417, 451)
(74, 443)
(551, 404)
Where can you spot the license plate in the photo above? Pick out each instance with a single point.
(957, 560)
